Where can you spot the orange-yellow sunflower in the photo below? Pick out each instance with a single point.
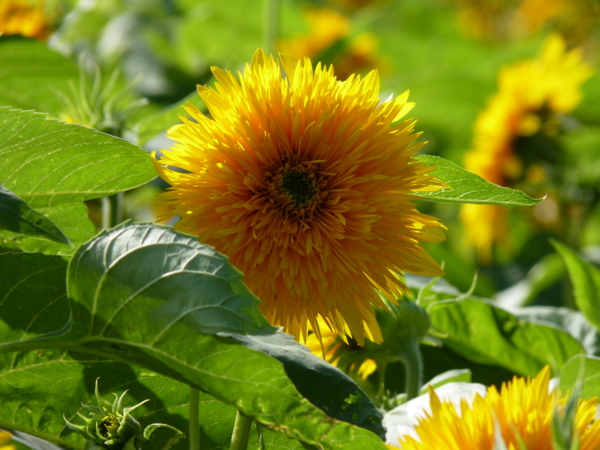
(24, 17)
(530, 95)
(307, 184)
(5, 437)
(522, 412)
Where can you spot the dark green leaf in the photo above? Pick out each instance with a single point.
(487, 334)
(323, 384)
(73, 221)
(19, 218)
(47, 162)
(466, 187)
(586, 283)
(31, 75)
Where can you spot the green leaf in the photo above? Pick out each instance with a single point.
(17, 217)
(151, 126)
(466, 187)
(487, 334)
(32, 74)
(150, 296)
(583, 371)
(47, 162)
(323, 384)
(71, 218)
(586, 283)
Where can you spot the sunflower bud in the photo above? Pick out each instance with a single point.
(110, 426)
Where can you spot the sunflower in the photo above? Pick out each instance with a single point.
(24, 17)
(5, 437)
(307, 184)
(329, 38)
(531, 93)
(522, 412)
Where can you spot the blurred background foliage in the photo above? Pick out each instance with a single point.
(151, 54)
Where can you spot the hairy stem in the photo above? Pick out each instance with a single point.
(241, 432)
(194, 430)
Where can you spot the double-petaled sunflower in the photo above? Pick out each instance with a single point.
(24, 17)
(307, 184)
(531, 93)
(522, 413)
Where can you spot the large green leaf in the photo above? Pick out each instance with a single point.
(149, 296)
(586, 283)
(71, 218)
(487, 334)
(47, 162)
(466, 187)
(31, 75)
(583, 372)
(19, 218)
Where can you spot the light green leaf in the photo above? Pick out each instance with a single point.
(487, 334)
(466, 187)
(71, 218)
(583, 371)
(151, 126)
(19, 218)
(586, 283)
(47, 162)
(31, 74)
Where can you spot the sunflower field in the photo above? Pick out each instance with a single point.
(300, 224)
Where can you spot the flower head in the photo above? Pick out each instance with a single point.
(24, 17)
(531, 93)
(522, 412)
(5, 437)
(307, 184)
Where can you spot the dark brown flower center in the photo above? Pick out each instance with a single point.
(299, 185)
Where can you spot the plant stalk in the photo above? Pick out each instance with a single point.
(111, 211)
(411, 357)
(270, 25)
(241, 432)
(194, 430)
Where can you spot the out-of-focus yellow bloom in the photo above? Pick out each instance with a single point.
(24, 17)
(529, 96)
(5, 437)
(307, 184)
(327, 29)
(332, 346)
(522, 412)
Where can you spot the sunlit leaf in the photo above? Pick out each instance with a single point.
(586, 283)
(583, 371)
(466, 187)
(17, 217)
(47, 162)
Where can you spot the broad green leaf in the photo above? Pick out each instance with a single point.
(149, 296)
(451, 376)
(71, 218)
(324, 385)
(583, 371)
(47, 162)
(466, 187)
(19, 218)
(586, 283)
(151, 126)
(487, 334)
(31, 74)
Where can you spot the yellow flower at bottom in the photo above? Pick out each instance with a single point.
(24, 17)
(5, 437)
(307, 184)
(522, 412)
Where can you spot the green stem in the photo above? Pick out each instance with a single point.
(271, 25)
(111, 211)
(194, 419)
(241, 432)
(411, 357)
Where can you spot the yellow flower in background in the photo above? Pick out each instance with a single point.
(530, 94)
(331, 346)
(307, 184)
(330, 31)
(522, 412)
(24, 17)
(5, 437)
